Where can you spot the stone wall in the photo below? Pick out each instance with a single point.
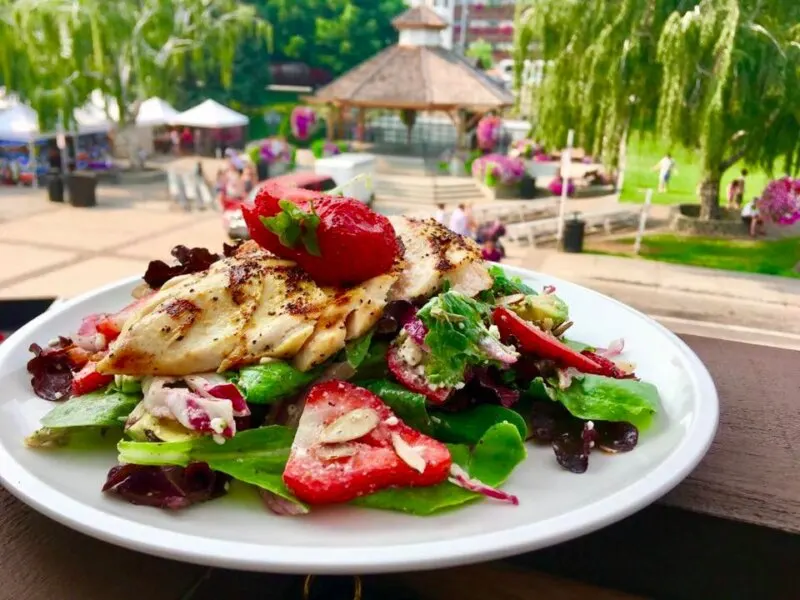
(684, 219)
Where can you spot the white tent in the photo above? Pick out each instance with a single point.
(93, 117)
(19, 123)
(211, 114)
(155, 112)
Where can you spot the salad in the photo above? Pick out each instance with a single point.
(339, 356)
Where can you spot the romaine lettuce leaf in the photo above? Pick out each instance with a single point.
(254, 456)
(600, 398)
(103, 408)
(409, 406)
(272, 381)
(356, 350)
(469, 426)
(492, 460)
(507, 286)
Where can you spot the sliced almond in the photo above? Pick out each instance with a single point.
(407, 454)
(350, 426)
(512, 299)
(334, 451)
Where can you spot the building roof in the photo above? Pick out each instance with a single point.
(416, 77)
(419, 17)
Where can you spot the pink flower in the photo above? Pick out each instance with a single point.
(496, 168)
(488, 132)
(780, 201)
(303, 120)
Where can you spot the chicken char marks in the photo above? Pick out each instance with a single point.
(252, 305)
(243, 308)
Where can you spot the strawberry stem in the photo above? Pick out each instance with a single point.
(292, 225)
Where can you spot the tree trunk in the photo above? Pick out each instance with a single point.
(708, 192)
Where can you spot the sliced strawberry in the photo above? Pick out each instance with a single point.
(88, 380)
(325, 466)
(414, 381)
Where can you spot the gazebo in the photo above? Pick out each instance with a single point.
(416, 74)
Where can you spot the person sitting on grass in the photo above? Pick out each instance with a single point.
(752, 219)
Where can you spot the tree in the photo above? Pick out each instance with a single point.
(55, 52)
(482, 51)
(335, 34)
(718, 76)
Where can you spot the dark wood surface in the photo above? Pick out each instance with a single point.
(751, 474)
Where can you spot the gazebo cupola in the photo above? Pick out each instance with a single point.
(419, 26)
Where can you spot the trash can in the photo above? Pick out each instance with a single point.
(55, 186)
(527, 187)
(573, 235)
(82, 187)
(262, 170)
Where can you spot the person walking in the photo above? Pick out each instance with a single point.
(438, 216)
(459, 222)
(665, 168)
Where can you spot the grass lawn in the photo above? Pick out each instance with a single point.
(768, 257)
(644, 153)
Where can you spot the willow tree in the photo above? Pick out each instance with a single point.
(716, 76)
(55, 52)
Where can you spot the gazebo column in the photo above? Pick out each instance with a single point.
(330, 123)
(361, 124)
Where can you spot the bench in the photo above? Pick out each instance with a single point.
(531, 232)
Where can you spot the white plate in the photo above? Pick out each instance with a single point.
(237, 532)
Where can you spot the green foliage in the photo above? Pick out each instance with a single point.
(717, 75)
(333, 34)
(482, 51)
(55, 52)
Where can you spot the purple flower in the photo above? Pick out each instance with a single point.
(275, 150)
(303, 120)
(780, 201)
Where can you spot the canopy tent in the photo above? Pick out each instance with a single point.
(212, 115)
(98, 115)
(20, 123)
(156, 112)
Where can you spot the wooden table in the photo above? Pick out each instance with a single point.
(729, 531)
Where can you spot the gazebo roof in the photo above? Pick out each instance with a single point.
(419, 17)
(418, 73)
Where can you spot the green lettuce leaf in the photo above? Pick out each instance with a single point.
(600, 398)
(410, 407)
(356, 350)
(373, 366)
(254, 456)
(492, 460)
(469, 426)
(507, 286)
(104, 408)
(267, 383)
(457, 334)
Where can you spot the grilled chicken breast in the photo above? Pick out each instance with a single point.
(433, 254)
(244, 308)
(253, 305)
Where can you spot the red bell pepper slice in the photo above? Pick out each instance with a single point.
(533, 340)
(88, 380)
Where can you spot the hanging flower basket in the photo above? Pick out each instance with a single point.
(303, 122)
(496, 170)
(488, 132)
(780, 201)
(273, 151)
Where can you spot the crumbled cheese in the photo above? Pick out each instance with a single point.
(589, 425)
(217, 425)
(410, 352)
(392, 421)
(460, 385)
(494, 331)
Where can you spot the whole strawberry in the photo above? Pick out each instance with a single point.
(336, 240)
